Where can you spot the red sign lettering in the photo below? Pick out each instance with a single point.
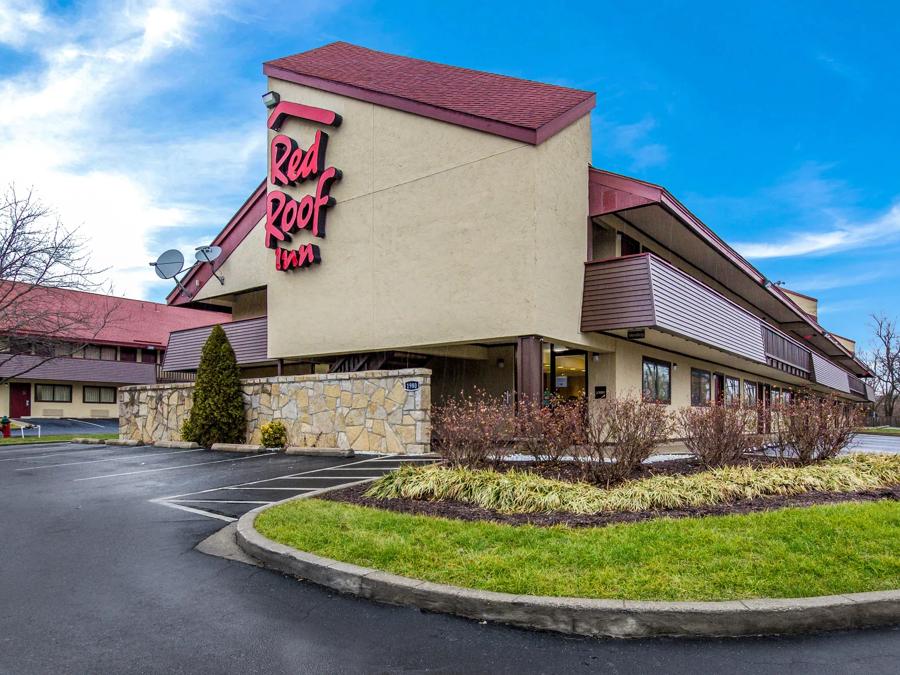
(289, 164)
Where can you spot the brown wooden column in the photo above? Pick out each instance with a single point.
(529, 376)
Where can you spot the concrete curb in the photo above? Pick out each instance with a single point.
(577, 616)
(318, 452)
(89, 441)
(238, 447)
(176, 445)
(127, 443)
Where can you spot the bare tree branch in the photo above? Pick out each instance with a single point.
(884, 360)
(40, 259)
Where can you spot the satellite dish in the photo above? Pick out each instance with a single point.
(207, 253)
(169, 264)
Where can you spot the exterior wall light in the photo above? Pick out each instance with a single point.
(595, 358)
(271, 99)
(501, 363)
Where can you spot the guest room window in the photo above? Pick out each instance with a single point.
(701, 387)
(657, 381)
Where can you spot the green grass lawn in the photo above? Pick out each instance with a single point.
(880, 431)
(58, 438)
(820, 550)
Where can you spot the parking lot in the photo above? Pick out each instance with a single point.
(232, 484)
(99, 573)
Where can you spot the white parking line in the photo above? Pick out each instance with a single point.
(216, 501)
(172, 468)
(52, 454)
(120, 458)
(263, 488)
(374, 471)
(199, 512)
(326, 477)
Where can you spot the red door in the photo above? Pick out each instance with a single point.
(19, 399)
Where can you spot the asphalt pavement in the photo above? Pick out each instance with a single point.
(64, 425)
(97, 577)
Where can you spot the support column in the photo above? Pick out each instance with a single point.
(529, 376)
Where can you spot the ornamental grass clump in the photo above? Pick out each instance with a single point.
(549, 431)
(718, 435)
(811, 427)
(217, 412)
(526, 492)
(620, 434)
(471, 430)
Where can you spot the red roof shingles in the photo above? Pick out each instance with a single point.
(507, 106)
(120, 321)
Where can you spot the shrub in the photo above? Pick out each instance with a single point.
(471, 429)
(217, 413)
(525, 492)
(620, 434)
(274, 435)
(812, 427)
(548, 432)
(720, 434)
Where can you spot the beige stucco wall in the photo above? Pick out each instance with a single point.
(77, 408)
(433, 224)
(629, 368)
(368, 412)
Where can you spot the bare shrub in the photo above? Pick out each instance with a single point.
(620, 434)
(812, 428)
(548, 432)
(472, 429)
(720, 434)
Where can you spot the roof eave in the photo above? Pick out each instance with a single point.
(532, 136)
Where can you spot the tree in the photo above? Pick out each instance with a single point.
(39, 259)
(884, 361)
(217, 413)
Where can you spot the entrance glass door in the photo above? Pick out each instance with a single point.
(564, 372)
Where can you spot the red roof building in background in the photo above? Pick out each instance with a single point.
(63, 352)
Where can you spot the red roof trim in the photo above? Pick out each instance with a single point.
(237, 229)
(498, 128)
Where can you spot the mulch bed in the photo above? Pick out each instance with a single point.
(470, 512)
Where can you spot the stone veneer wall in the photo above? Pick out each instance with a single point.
(366, 411)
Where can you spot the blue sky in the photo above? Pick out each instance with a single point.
(775, 123)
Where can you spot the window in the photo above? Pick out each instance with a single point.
(99, 394)
(53, 393)
(148, 356)
(127, 354)
(92, 352)
(108, 353)
(701, 387)
(630, 246)
(750, 393)
(657, 381)
(732, 390)
(776, 395)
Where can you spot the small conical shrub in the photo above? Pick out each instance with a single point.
(217, 414)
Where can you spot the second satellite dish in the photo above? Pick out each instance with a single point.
(206, 254)
(169, 264)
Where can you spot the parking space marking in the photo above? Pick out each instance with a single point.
(216, 501)
(173, 468)
(118, 458)
(58, 452)
(376, 466)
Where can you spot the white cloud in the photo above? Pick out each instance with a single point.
(67, 129)
(840, 237)
(632, 140)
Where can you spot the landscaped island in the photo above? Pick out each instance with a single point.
(575, 506)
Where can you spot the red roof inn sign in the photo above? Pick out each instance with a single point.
(289, 164)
